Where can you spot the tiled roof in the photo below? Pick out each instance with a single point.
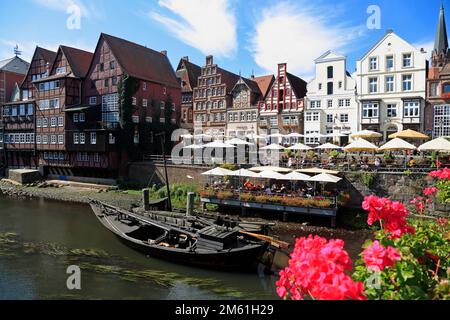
(47, 55)
(79, 60)
(264, 83)
(141, 62)
(15, 65)
(229, 78)
(298, 85)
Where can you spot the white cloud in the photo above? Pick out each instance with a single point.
(208, 25)
(288, 32)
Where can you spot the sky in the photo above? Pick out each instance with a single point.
(245, 36)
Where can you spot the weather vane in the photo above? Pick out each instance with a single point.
(17, 52)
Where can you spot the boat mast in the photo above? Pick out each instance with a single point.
(163, 142)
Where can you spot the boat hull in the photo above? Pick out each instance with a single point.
(244, 259)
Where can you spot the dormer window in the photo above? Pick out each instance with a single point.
(61, 70)
(373, 63)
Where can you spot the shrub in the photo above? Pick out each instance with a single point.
(225, 195)
(368, 178)
(247, 197)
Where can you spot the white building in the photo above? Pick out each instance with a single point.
(331, 106)
(391, 80)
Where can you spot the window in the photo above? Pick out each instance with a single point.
(330, 72)
(330, 118)
(92, 101)
(61, 139)
(330, 103)
(82, 138)
(407, 82)
(61, 122)
(114, 81)
(391, 110)
(370, 110)
(44, 122)
(61, 156)
(433, 89)
(411, 109)
(373, 85)
(340, 84)
(407, 60)
(273, 121)
(27, 138)
(106, 83)
(373, 63)
(76, 117)
(112, 65)
(53, 139)
(53, 122)
(82, 117)
(44, 139)
(442, 121)
(61, 70)
(135, 119)
(30, 109)
(76, 138)
(389, 62)
(112, 139)
(22, 110)
(344, 118)
(389, 83)
(38, 122)
(144, 86)
(341, 103)
(315, 104)
(312, 117)
(45, 155)
(330, 88)
(93, 138)
(144, 103)
(96, 158)
(38, 139)
(101, 67)
(348, 102)
(320, 86)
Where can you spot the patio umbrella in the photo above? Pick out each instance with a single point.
(256, 137)
(315, 135)
(271, 168)
(300, 147)
(218, 144)
(276, 135)
(361, 145)
(273, 147)
(317, 171)
(397, 145)
(439, 145)
(194, 147)
(336, 135)
(325, 178)
(239, 142)
(328, 146)
(297, 176)
(218, 172)
(202, 136)
(409, 134)
(244, 173)
(366, 134)
(268, 174)
(294, 135)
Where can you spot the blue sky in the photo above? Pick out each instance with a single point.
(243, 35)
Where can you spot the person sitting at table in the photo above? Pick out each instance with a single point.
(248, 185)
(268, 191)
(283, 189)
(411, 163)
(377, 162)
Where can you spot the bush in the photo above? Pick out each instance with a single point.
(225, 195)
(368, 178)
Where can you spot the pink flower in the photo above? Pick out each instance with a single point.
(443, 174)
(317, 268)
(429, 191)
(377, 257)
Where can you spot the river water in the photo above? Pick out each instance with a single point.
(40, 239)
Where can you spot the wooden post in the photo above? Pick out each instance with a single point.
(190, 204)
(146, 199)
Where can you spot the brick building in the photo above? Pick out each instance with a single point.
(187, 73)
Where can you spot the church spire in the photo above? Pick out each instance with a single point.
(441, 41)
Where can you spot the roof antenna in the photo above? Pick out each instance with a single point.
(17, 52)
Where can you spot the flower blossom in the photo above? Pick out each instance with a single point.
(377, 257)
(317, 269)
(430, 191)
(391, 214)
(443, 174)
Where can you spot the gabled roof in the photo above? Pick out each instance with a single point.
(194, 71)
(330, 56)
(79, 60)
(298, 85)
(48, 56)
(14, 65)
(141, 62)
(264, 83)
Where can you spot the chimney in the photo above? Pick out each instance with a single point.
(164, 52)
(186, 58)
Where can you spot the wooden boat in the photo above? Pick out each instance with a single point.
(214, 247)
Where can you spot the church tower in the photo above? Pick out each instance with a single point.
(441, 53)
